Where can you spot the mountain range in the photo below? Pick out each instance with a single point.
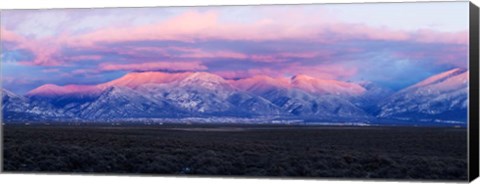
(162, 96)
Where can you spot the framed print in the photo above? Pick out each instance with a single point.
(351, 91)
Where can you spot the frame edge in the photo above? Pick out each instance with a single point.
(473, 122)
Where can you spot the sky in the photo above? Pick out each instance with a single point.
(392, 44)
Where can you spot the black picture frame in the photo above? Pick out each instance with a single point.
(473, 95)
(473, 127)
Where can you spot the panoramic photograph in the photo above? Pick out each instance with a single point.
(350, 91)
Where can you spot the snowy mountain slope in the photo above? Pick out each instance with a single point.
(442, 97)
(152, 94)
(12, 102)
(122, 102)
(302, 104)
(259, 84)
(326, 87)
(204, 93)
(63, 100)
(18, 109)
(304, 96)
(141, 95)
(374, 94)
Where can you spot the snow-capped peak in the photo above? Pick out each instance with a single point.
(204, 76)
(439, 77)
(260, 83)
(326, 86)
(204, 80)
(137, 79)
(54, 90)
(443, 96)
(302, 82)
(301, 77)
(7, 93)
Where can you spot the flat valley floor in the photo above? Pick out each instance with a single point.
(239, 150)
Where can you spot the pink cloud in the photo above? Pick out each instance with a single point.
(45, 55)
(342, 31)
(181, 27)
(9, 36)
(430, 36)
(267, 58)
(303, 54)
(85, 57)
(45, 51)
(198, 53)
(448, 55)
(285, 56)
(149, 66)
(51, 70)
(193, 26)
(85, 71)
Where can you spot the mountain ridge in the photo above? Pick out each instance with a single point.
(207, 95)
(437, 98)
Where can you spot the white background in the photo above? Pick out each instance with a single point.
(88, 179)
